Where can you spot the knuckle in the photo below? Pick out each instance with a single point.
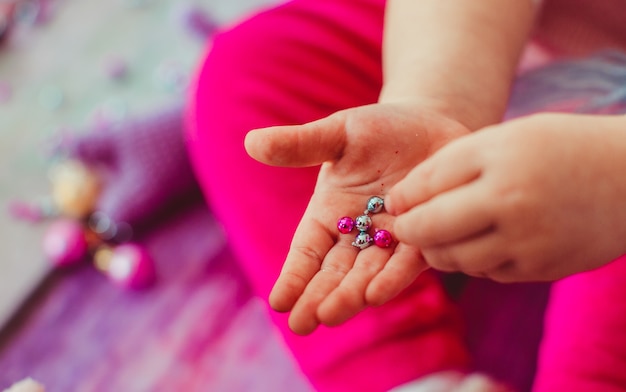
(512, 271)
(308, 253)
(349, 301)
(509, 194)
(293, 282)
(360, 117)
(441, 259)
(428, 178)
(334, 267)
(514, 200)
(369, 265)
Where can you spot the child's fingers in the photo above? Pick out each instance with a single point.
(310, 244)
(348, 298)
(475, 256)
(454, 165)
(339, 260)
(298, 145)
(448, 217)
(399, 272)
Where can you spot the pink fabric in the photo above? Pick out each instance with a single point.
(144, 165)
(584, 345)
(296, 63)
(300, 62)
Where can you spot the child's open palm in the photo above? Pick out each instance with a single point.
(363, 152)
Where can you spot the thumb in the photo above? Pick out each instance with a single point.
(298, 145)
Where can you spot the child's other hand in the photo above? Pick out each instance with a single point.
(537, 198)
(363, 152)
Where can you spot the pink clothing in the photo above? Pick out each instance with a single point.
(293, 64)
(296, 63)
(584, 342)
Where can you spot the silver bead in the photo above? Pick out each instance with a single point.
(363, 222)
(375, 204)
(362, 240)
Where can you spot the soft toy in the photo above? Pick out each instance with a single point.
(79, 232)
(107, 186)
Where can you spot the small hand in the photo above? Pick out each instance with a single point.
(363, 152)
(537, 198)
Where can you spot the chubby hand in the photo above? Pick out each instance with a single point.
(537, 198)
(362, 151)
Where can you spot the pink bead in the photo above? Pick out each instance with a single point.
(382, 239)
(345, 225)
(64, 242)
(131, 266)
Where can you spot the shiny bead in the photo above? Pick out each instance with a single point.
(375, 204)
(345, 225)
(362, 240)
(383, 239)
(64, 243)
(130, 266)
(363, 222)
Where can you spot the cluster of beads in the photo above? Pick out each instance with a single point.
(363, 223)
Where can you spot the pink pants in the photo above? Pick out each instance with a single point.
(302, 61)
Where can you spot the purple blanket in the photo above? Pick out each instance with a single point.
(197, 329)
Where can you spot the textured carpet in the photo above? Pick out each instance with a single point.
(197, 329)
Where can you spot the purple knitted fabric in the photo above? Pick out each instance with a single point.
(144, 165)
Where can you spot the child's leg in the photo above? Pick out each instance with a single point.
(297, 63)
(584, 346)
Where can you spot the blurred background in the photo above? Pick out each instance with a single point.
(57, 75)
(75, 75)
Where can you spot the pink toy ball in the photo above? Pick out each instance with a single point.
(128, 265)
(64, 243)
(383, 239)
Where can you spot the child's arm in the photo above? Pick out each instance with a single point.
(462, 54)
